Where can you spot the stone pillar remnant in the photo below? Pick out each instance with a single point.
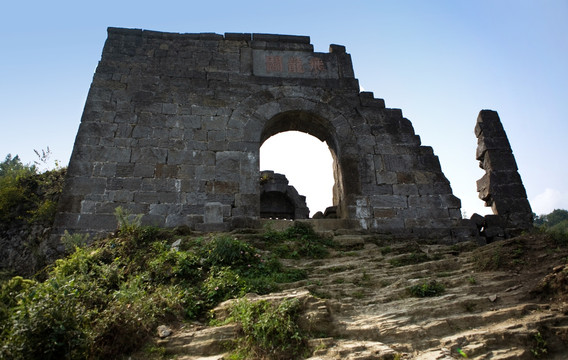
(501, 187)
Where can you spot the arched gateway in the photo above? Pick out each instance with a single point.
(173, 124)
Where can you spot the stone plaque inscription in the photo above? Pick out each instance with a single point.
(294, 64)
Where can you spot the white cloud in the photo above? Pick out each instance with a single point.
(549, 200)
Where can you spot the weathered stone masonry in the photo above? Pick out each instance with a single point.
(173, 124)
(501, 187)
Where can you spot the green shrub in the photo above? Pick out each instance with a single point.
(225, 250)
(27, 197)
(127, 223)
(103, 299)
(46, 323)
(299, 240)
(431, 288)
(268, 330)
(71, 241)
(175, 266)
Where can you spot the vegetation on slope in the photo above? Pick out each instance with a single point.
(103, 299)
(27, 196)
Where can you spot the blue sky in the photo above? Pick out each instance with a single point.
(441, 62)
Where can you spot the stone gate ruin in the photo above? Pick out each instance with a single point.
(173, 124)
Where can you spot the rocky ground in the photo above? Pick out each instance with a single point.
(505, 300)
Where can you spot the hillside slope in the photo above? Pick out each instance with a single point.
(375, 298)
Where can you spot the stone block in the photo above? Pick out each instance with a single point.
(499, 160)
(97, 222)
(487, 144)
(213, 227)
(132, 184)
(243, 222)
(85, 185)
(222, 187)
(149, 155)
(166, 171)
(122, 196)
(455, 213)
(388, 201)
(384, 213)
(488, 124)
(143, 170)
(405, 189)
(386, 177)
(397, 162)
(163, 209)
(169, 109)
(387, 225)
(425, 201)
(450, 201)
(213, 213)
(238, 36)
(88, 206)
(86, 168)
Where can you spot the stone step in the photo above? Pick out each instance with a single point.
(209, 341)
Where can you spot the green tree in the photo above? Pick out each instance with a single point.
(556, 217)
(12, 166)
(25, 195)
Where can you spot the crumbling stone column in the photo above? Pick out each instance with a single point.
(501, 187)
(279, 200)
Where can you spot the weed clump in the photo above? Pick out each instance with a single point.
(268, 330)
(427, 289)
(540, 347)
(299, 240)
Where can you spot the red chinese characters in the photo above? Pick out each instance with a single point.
(295, 65)
(273, 63)
(316, 65)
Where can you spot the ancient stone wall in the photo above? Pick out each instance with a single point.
(501, 187)
(174, 122)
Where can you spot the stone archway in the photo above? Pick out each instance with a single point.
(320, 128)
(173, 124)
(287, 108)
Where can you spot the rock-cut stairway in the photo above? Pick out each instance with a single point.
(357, 305)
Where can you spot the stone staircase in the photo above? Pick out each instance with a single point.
(356, 305)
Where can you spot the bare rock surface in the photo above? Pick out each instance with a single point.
(499, 300)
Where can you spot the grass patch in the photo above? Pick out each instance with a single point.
(364, 280)
(444, 274)
(299, 240)
(427, 289)
(386, 250)
(409, 259)
(320, 294)
(502, 255)
(358, 294)
(267, 330)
